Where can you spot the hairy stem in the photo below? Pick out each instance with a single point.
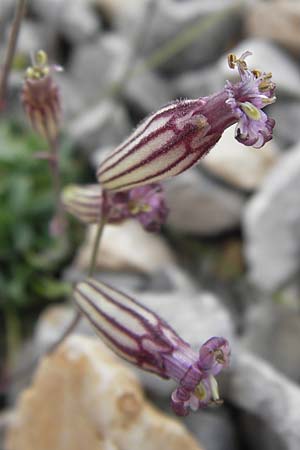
(59, 221)
(11, 48)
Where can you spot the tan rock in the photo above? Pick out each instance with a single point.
(241, 166)
(276, 20)
(82, 397)
(127, 246)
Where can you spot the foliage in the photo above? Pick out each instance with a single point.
(30, 259)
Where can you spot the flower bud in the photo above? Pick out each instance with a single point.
(142, 338)
(89, 203)
(40, 98)
(179, 134)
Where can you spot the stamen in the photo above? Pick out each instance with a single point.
(256, 73)
(251, 110)
(214, 388)
(231, 59)
(200, 391)
(219, 355)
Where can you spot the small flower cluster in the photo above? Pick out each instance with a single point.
(90, 203)
(141, 337)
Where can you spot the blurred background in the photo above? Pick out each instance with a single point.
(228, 260)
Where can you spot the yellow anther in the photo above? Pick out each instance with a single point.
(200, 392)
(219, 355)
(256, 73)
(265, 86)
(214, 388)
(41, 58)
(251, 110)
(231, 59)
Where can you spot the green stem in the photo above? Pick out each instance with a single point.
(76, 319)
(95, 250)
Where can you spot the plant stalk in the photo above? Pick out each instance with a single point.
(11, 48)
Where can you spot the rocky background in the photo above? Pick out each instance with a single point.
(226, 263)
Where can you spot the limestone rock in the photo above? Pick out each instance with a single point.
(254, 386)
(98, 65)
(106, 124)
(280, 22)
(243, 167)
(127, 246)
(201, 206)
(83, 397)
(272, 225)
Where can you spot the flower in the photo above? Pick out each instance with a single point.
(175, 137)
(141, 337)
(247, 99)
(89, 203)
(40, 97)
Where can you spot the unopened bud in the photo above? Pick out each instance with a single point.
(40, 98)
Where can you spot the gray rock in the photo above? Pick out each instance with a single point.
(272, 331)
(147, 92)
(287, 116)
(31, 38)
(267, 57)
(257, 434)
(98, 66)
(271, 225)
(199, 83)
(242, 167)
(254, 386)
(201, 206)
(208, 27)
(280, 22)
(74, 19)
(214, 428)
(107, 124)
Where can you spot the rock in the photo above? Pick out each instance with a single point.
(199, 83)
(74, 19)
(104, 125)
(267, 57)
(207, 27)
(287, 116)
(280, 22)
(271, 225)
(243, 167)
(204, 425)
(118, 12)
(255, 387)
(272, 331)
(31, 39)
(97, 66)
(127, 246)
(201, 206)
(82, 397)
(146, 92)
(257, 435)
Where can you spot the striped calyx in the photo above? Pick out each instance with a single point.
(165, 144)
(142, 338)
(178, 135)
(40, 98)
(83, 202)
(89, 203)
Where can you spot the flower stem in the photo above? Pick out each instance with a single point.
(11, 48)
(58, 223)
(76, 319)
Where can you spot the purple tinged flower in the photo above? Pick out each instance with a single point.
(141, 337)
(175, 137)
(89, 203)
(147, 204)
(40, 97)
